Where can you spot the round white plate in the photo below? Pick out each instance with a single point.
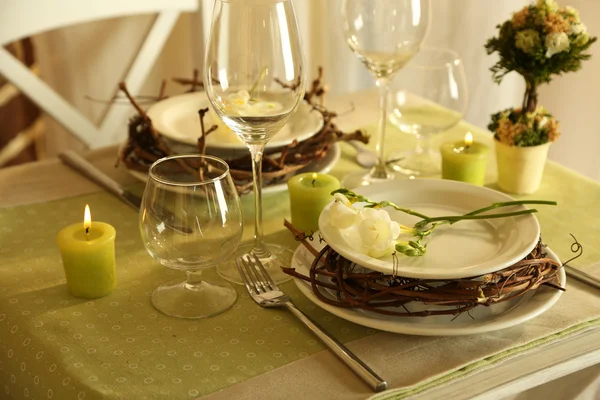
(464, 249)
(323, 166)
(479, 320)
(177, 118)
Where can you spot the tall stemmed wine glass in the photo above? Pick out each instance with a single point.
(385, 35)
(191, 220)
(430, 97)
(255, 80)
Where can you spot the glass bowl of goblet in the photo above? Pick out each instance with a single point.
(429, 98)
(191, 221)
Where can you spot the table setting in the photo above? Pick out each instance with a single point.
(240, 249)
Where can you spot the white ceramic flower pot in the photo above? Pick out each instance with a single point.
(520, 169)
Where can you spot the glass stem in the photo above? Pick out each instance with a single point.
(256, 151)
(380, 171)
(193, 280)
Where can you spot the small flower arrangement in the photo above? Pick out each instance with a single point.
(513, 127)
(539, 41)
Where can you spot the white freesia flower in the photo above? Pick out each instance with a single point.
(556, 42)
(527, 40)
(342, 214)
(377, 232)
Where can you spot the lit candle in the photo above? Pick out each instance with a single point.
(309, 194)
(465, 161)
(88, 254)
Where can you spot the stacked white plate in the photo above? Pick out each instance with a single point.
(176, 118)
(462, 250)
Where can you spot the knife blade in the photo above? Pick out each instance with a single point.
(88, 170)
(582, 276)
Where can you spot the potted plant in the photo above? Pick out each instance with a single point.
(539, 41)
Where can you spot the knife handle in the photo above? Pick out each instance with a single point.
(80, 164)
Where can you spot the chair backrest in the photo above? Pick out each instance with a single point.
(22, 18)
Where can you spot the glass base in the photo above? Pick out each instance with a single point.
(427, 163)
(276, 257)
(364, 178)
(202, 299)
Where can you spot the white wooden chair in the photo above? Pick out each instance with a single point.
(22, 18)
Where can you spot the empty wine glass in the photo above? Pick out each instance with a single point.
(429, 97)
(254, 80)
(385, 35)
(191, 220)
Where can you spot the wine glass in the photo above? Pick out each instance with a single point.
(431, 98)
(254, 80)
(385, 35)
(191, 220)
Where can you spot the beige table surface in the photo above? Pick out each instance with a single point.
(50, 180)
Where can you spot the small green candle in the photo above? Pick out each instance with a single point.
(465, 161)
(88, 254)
(309, 194)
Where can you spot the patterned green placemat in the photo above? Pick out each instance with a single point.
(56, 346)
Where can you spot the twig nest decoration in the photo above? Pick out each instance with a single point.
(145, 145)
(354, 286)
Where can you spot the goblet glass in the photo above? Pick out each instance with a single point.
(191, 220)
(254, 80)
(431, 98)
(385, 35)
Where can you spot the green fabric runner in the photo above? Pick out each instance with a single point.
(119, 347)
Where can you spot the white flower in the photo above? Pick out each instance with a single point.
(556, 42)
(550, 5)
(527, 40)
(342, 214)
(578, 29)
(243, 104)
(377, 232)
(572, 11)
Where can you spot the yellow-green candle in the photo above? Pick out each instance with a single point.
(309, 194)
(88, 254)
(465, 161)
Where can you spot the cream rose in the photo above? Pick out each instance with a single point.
(556, 42)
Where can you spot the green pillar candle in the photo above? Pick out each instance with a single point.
(309, 194)
(465, 161)
(88, 254)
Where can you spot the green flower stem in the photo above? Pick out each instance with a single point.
(428, 224)
(455, 218)
(511, 203)
(408, 211)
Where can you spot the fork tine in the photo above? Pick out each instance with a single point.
(265, 273)
(250, 287)
(259, 276)
(252, 274)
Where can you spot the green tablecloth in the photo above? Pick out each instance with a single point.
(119, 347)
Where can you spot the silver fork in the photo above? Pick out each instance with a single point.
(265, 292)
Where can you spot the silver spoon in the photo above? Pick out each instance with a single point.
(364, 157)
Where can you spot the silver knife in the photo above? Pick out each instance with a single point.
(582, 276)
(84, 167)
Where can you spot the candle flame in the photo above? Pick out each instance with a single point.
(87, 218)
(468, 139)
(314, 175)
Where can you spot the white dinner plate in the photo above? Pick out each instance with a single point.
(324, 165)
(464, 249)
(177, 119)
(479, 320)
